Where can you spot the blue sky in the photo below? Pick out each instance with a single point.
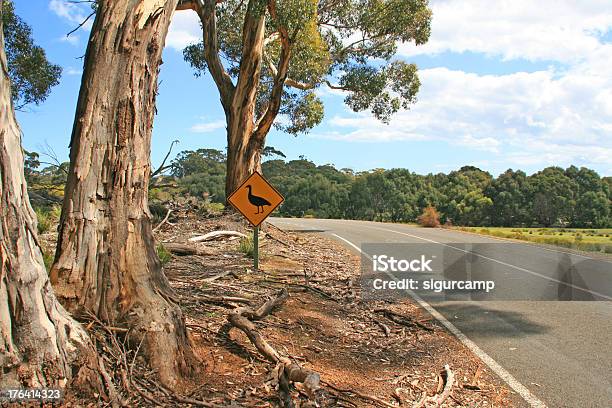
(505, 84)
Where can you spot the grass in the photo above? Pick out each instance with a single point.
(584, 239)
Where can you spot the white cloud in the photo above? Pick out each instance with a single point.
(558, 30)
(73, 13)
(208, 127)
(184, 29)
(73, 71)
(558, 116)
(522, 118)
(71, 39)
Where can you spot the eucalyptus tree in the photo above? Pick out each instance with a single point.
(32, 75)
(106, 262)
(40, 344)
(269, 58)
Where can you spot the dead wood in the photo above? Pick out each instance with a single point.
(450, 379)
(402, 319)
(164, 220)
(184, 249)
(288, 372)
(217, 235)
(220, 275)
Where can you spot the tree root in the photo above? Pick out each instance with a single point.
(287, 371)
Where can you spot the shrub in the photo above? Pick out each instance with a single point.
(48, 260)
(47, 218)
(163, 254)
(430, 217)
(246, 246)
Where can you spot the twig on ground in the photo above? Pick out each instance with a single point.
(402, 319)
(164, 220)
(450, 379)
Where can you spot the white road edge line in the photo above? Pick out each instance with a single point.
(501, 372)
(500, 262)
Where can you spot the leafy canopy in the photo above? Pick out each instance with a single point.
(349, 45)
(32, 75)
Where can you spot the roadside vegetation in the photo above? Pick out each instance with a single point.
(468, 197)
(595, 240)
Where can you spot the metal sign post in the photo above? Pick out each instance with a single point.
(255, 199)
(256, 247)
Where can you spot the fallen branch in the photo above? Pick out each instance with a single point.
(164, 220)
(183, 249)
(220, 275)
(216, 235)
(450, 379)
(402, 319)
(288, 372)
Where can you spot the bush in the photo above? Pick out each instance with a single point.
(247, 247)
(430, 217)
(47, 218)
(48, 260)
(163, 254)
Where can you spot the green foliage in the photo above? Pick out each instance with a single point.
(466, 197)
(32, 75)
(247, 247)
(346, 44)
(163, 254)
(48, 217)
(48, 260)
(45, 186)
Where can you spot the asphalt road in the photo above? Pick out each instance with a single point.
(560, 351)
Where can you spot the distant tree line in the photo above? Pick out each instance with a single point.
(572, 197)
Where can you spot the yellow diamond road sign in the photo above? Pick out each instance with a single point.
(255, 199)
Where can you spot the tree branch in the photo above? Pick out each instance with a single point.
(304, 86)
(280, 77)
(82, 23)
(161, 167)
(253, 33)
(206, 11)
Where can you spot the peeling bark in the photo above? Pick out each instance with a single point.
(40, 344)
(106, 261)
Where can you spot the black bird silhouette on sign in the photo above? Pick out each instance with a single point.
(257, 201)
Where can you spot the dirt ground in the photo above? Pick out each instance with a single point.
(364, 355)
(368, 354)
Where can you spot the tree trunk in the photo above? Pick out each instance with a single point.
(106, 261)
(40, 344)
(243, 154)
